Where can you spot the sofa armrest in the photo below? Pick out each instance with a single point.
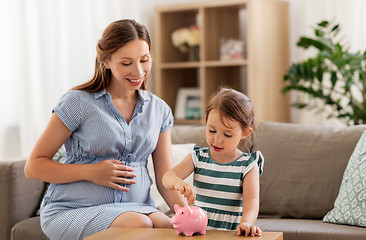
(19, 196)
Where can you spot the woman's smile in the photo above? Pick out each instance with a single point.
(135, 81)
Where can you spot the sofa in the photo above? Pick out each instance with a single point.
(303, 172)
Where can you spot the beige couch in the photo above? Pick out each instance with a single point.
(302, 174)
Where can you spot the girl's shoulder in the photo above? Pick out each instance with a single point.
(249, 159)
(200, 155)
(251, 156)
(201, 152)
(257, 155)
(198, 149)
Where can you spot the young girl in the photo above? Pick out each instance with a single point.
(109, 126)
(226, 180)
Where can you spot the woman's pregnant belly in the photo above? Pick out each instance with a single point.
(85, 193)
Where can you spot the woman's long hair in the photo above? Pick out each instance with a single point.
(115, 36)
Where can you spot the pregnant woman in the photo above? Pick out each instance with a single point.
(109, 126)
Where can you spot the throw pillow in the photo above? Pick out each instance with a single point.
(350, 205)
(60, 155)
(179, 151)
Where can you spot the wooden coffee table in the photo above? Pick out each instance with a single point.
(171, 234)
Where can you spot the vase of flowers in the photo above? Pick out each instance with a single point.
(187, 40)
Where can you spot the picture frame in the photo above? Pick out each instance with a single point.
(188, 104)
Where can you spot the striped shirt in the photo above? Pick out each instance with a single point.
(219, 187)
(99, 132)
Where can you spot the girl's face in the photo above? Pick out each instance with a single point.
(130, 64)
(223, 139)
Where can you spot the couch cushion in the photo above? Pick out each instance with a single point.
(29, 229)
(303, 167)
(300, 229)
(350, 205)
(179, 151)
(189, 134)
(14, 185)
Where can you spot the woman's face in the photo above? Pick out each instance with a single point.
(130, 64)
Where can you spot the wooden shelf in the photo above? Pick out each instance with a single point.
(218, 63)
(261, 25)
(179, 65)
(241, 62)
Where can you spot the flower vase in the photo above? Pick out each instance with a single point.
(194, 53)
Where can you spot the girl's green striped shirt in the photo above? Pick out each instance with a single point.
(219, 187)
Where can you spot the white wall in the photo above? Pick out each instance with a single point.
(59, 52)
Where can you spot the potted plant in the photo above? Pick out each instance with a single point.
(335, 76)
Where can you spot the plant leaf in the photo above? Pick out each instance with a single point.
(336, 27)
(308, 42)
(319, 74)
(333, 78)
(323, 23)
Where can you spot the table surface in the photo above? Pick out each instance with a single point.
(171, 234)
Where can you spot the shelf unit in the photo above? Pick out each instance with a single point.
(261, 24)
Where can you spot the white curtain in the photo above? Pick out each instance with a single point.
(47, 48)
(304, 14)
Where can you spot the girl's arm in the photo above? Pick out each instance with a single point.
(162, 163)
(173, 179)
(41, 166)
(250, 204)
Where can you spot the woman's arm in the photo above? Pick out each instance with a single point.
(250, 204)
(41, 166)
(162, 163)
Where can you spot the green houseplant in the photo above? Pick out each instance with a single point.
(335, 77)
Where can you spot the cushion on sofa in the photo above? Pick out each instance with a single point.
(189, 134)
(350, 205)
(179, 151)
(306, 229)
(303, 167)
(28, 229)
(14, 206)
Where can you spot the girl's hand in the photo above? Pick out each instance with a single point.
(187, 190)
(111, 173)
(248, 229)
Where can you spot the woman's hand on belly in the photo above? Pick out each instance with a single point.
(111, 173)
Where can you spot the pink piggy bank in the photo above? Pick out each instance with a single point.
(189, 220)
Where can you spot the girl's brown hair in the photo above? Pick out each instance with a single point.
(115, 36)
(235, 106)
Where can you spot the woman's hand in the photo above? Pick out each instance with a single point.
(248, 229)
(111, 173)
(187, 190)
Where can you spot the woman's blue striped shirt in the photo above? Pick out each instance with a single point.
(100, 132)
